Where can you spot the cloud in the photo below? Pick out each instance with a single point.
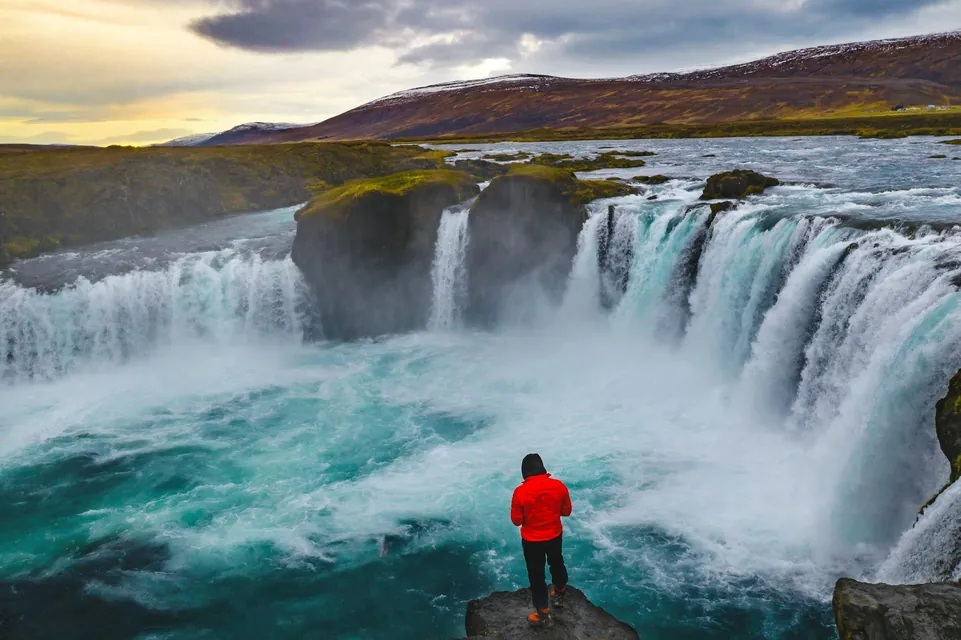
(47, 137)
(285, 25)
(145, 137)
(451, 33)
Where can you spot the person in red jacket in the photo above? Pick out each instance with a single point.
(537, 508)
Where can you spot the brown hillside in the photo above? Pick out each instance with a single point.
(871, 76)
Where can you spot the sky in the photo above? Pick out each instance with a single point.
(145, 71)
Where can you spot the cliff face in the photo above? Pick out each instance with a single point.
(523, 237)
(366, 249)
(50, 198)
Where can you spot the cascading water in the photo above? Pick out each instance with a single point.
(449, 271)
(751, 420)
(214, 297)
(842, 337)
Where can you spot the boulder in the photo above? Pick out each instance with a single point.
(658, 179)
(722, 207)
(523, 238)
(737, 184)
(366, 250)
(885, 612)
(503, 615)
(948, 424)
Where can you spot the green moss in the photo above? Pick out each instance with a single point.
(84, 195)
(955, 142)
(938, 156)
(541, 172)
(739, 183)
(507, 157)
(339, 200)
(21, 247)
(589, 190)
(577, 191)
(606, 160)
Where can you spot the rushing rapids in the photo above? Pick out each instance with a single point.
(742, 405)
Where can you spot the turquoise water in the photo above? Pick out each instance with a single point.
(178, 462)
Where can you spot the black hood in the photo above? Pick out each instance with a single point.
(532, 466)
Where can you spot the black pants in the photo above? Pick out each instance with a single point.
(534, 554)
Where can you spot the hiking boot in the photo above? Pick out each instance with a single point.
(557, 595)
(540, 618)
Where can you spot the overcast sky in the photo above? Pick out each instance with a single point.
(143, 71)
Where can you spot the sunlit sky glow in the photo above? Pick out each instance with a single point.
(145, 71)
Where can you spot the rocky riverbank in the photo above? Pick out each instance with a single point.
(54, 198)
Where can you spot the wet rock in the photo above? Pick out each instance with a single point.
(938, 156)
(503, 615)
(721, 207)
(523, 237)
(366, 250)
(948, 425)
(739, 183)
(658, 179)
(606, 160)
(885, 612)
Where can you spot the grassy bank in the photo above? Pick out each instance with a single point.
(57, 197)
(889, 125)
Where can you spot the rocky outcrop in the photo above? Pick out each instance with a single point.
(739, 183)
(523, 237)
(366, 249)
(503, 615)
(605, 160)
(948, 425)
(885, 612)
(482, 170)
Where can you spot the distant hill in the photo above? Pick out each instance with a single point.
(249, 133)
(821, 81)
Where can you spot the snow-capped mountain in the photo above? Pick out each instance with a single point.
(922, 70)
(236, 135)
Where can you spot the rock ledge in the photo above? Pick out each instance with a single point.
(503, 615)
(885, 612)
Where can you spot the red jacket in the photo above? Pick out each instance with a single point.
(537, 508)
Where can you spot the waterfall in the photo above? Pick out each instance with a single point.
(449, 271)
(844, 337)
(217, 296)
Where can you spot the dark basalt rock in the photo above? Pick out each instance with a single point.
(885, 612)
(721, 207)
(948, 425)
(366, 250)
(503, 615)
(737, 184)
(658, 179)
(523, 237)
